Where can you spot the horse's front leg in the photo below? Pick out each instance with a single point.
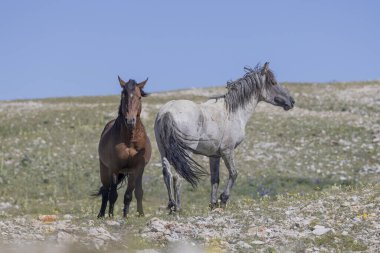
(229, 161)
(214, 171)
(139, 192)
(128, 194)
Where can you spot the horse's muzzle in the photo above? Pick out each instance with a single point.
(131, 122)
(287, 105)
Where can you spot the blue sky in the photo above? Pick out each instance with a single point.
(74, 48)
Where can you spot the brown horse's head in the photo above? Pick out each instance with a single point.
(130, 104)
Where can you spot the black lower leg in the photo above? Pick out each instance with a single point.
(104, 192)
(139, 195)
(113, 194)
(128, 194)
(112, 199)
(127, 202)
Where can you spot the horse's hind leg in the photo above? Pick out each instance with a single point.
(168, 178)
(214, 171)
(104, 190)
(177, 181)
(113, 194)
(139, 193)
(128, 194)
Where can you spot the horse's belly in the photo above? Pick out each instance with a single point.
(209, 148)
(122, 159)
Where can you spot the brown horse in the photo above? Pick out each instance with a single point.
(124, 150)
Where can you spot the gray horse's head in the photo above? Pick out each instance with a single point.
(273, 92)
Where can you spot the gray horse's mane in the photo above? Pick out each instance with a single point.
(241, 91)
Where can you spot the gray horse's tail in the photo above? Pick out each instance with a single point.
(177, 152)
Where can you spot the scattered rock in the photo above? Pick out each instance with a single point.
(257, 242)
(65, 238)
(67, 217)
(218, 210)
(147, 251)
(98, 243)
(112, 223)
(320, 230)
(48, 218)
(101, 233)
(243, 245)
(5, 205)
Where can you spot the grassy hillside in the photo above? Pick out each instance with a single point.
(325, 152)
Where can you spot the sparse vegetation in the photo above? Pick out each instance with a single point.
(317, 165)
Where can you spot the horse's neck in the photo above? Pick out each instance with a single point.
(126, 133)
(244, 114)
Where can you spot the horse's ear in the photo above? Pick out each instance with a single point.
(142, 84)
(121, 81)
(265, 68)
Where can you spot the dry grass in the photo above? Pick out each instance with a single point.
(320, 154)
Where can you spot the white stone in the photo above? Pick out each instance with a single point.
(64, 237)
(320, 230)
(67, 217)
(5, 205)
(112, 223)
(244, 245)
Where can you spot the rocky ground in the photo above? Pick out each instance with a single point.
(308, 179)
(340, 220)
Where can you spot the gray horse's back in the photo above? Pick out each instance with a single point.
(185, 113)
(201, 125)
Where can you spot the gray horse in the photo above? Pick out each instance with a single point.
(213, 129)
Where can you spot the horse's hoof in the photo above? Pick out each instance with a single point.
(170, 205)
(223, 205)
(173, 210)
(213, 206)
(223, 199)
(141, 214)
(100, 215)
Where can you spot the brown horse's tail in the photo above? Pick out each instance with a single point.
(98, 193)
(177, 152)
(121, 179)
